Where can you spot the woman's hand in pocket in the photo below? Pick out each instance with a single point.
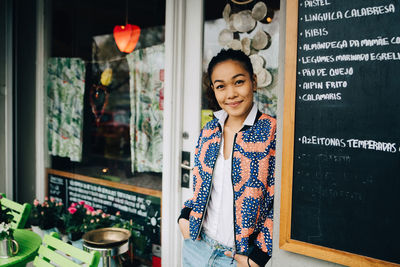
(184, 227)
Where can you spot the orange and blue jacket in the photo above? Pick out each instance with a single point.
(253, 167)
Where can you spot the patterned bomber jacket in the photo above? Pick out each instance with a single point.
(253, 166)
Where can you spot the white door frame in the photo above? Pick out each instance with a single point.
(183, 70)
(42, 39)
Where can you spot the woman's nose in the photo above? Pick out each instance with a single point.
(231, 92)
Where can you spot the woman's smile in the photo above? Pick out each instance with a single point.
(234, 104)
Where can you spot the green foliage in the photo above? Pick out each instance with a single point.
(82, 218)
(6, 218)
(46, 215)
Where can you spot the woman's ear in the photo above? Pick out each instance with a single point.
(254, 82)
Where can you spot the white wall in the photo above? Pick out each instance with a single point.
(282, 258)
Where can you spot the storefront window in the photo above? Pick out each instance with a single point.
(105, 107)
(105, 103)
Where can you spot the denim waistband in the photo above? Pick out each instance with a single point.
(213, 243)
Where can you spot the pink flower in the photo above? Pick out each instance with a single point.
(46, 198)
(81, 202)
(103, 215)
(73, 205)
(89, 208)
(60, 203)
(99, 211)
(118, 213)
(91, 221)
(94, 213)
(42, 212)
(36, 203)
(71, 210)
(88, 212)
(52, 199)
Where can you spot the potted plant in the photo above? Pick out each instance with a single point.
(46, 216)
(96, 219)
(6, 233)
(73, 219)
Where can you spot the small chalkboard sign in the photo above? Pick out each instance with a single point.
(140, 205)
(341, 143)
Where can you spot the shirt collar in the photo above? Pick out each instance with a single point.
(221, 115)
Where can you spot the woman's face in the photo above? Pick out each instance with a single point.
(233, 88)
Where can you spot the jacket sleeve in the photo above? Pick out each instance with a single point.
(262, 251)
(188, 204)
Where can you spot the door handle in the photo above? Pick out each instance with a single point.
(186, 165)
(185, 169)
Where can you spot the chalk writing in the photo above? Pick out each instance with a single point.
(316, 3)
(384, 56)
(332, 72)
(372, 145)
(328, 16)
(324, 85)
(350, 143)
(315, 32)
(369, 11)
(351, 13)
(326, 45)
(321, 97)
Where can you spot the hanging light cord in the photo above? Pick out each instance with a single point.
(126, 13)
(106, 60)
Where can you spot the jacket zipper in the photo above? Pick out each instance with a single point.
(208, 199)
(233, 191)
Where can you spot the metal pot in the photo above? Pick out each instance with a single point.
(106, 237)
(8, 248)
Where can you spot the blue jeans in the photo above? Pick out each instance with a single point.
(205, 253)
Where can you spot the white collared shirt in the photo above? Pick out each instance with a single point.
(218, 223)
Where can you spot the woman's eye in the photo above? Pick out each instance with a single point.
(220, 86)
(239, 82)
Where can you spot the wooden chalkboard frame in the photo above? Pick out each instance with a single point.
(285, 240)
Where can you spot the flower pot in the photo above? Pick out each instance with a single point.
(8, 248)
(74, 236)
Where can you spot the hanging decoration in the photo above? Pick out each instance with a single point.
(126, 37)
(241, 18)
(106, 77)
(98, 101)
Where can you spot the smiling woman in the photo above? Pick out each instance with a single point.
(234, 163)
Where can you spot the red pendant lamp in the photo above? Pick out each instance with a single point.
(126, 37)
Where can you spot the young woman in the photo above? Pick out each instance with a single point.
(228, 221)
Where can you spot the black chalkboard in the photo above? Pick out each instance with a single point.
(144, 210)
(346, 157)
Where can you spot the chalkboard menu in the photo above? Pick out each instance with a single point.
(342, 130)
(133, 203)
